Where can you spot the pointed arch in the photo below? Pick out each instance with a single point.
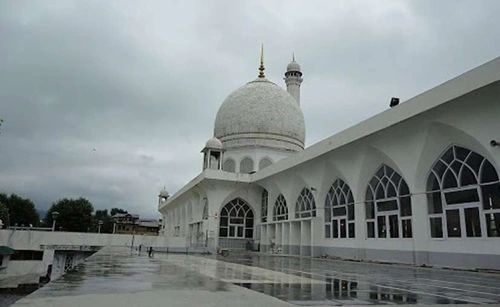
(236, 220)
(280, 210)
(339, 211)
(463, 195)
(246, 165)
(306, 205)
(388, 205)
(265, 162)
(229, 165)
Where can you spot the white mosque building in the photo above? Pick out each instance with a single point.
(417, 183)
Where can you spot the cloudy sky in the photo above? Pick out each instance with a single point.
(141, 81)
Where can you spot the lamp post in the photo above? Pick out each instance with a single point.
(55, 214)
(99, 227)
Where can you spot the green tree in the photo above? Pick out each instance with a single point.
(21, 210)
(107, 221)
(4, 214)
(117, 210)
(74, 214)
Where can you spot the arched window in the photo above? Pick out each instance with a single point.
(265, 162)
(246, 165)
(280, 210)
(229, 166)
(236, 220)
(305, 206)
(463, 194)
(339, 211)
(388, 205)
(263, 208)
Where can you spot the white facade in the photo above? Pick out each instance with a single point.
(417, 183)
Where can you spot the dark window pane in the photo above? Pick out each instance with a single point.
(223, 221)
(385, 180)
(449, 180)
(405, 203)
(232, 213)
(453, 223)
(350, 199)
(379, 193)
(382, 230)
(335, 229)
(491, 196)
(342, 199)
(249, 233)
(236, 220)
(448, 155)
(351, 230)
(474, 161)
(249, 222)
(240, 232)
(388, 205)
(467, 177)
(472, 223)
(432, 183)
(328, 232)
(250, 213)
(350, 212)
(395, 178)
(403, 189)
(370, 229)
(456, 166)
(340, 211)
(328, 215)
(439, 168)
(231, 231)
(343, 228)
(434, 203)
(380, 172)
(488, 172)
(370, 210)
(436, 227)
(461, 197)
(407, 231)
(369, 195)
(493, 224)
(223, 232)
(394, 226)
(461, 153)
(391, 190)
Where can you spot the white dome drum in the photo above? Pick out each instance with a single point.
(260, 114)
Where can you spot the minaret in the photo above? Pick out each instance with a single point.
(293, 79)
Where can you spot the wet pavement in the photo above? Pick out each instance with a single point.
(117, 277)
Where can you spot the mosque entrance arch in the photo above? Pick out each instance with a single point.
(237, 221)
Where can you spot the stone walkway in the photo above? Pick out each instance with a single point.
(117, 277)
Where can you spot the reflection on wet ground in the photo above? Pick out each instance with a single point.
(299, 281)
(120, 271)
(353, 283)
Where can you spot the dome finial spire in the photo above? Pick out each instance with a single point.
(293, 56)
(261, 68)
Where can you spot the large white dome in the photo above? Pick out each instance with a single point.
(260, 114)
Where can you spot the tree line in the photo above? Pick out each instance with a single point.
(74, 214)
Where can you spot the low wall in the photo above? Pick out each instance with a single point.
(51, 242)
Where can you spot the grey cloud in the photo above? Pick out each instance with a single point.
(142, 82)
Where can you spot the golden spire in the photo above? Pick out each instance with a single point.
(261, 68)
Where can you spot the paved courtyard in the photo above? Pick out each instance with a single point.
(119, 277)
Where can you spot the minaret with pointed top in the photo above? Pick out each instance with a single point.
(293, 79)
(261, 68)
